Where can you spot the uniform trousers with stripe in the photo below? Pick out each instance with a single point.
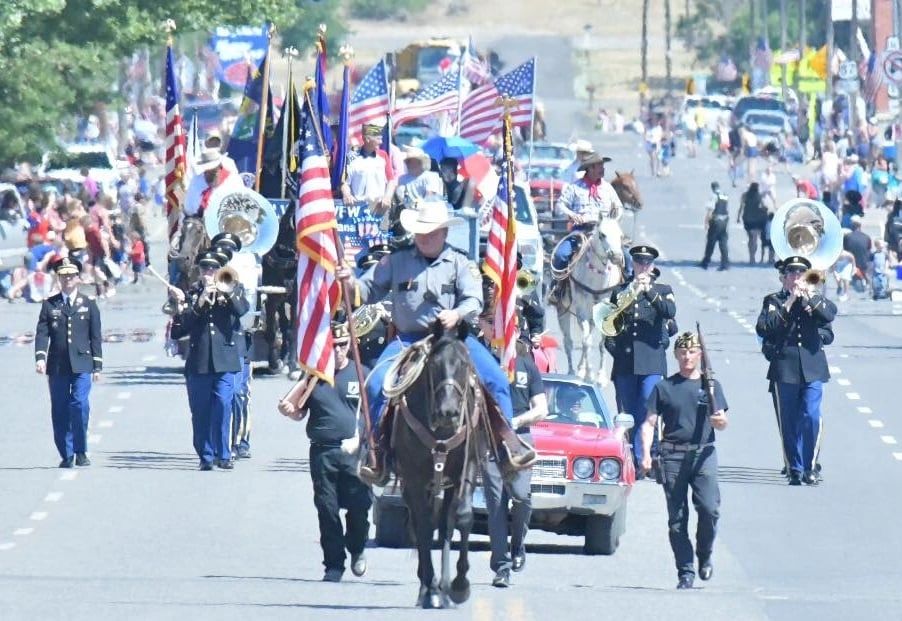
(800, 422)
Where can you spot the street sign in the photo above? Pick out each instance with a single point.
(892, 43)
(847, 86)
(892, 67)
(848, 70)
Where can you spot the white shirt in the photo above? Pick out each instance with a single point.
(654, 135)
(195, 192)
(366, 176)
(411, 188)
(768, 183)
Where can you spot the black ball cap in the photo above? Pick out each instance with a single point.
(209, 259)
(227, 239)
(644, 252)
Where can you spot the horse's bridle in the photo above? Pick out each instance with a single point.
(609, 255)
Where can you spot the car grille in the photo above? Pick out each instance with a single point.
(541, 488)
(550, 468)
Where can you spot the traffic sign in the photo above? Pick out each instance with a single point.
(892, 43)
(848, 70)
(892, 67)
(847, 86)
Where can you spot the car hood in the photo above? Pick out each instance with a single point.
(562, 439)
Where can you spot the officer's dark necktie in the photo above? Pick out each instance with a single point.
(66, 305)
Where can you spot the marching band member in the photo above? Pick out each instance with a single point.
(795, 323)
(210, 319)
(639, 351)
(68, 350)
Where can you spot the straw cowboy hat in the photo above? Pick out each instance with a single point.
(416, 153)
(209, 159)
(581, 146)
(428, 216)
(592, 159)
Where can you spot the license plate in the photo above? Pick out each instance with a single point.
(478, 498)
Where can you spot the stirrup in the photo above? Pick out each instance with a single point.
(378, 476)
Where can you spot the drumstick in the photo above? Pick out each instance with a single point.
(156, 275)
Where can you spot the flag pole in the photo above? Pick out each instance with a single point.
(291, 52)
(264, 97)
(532, 125)
(460, 86)
(349, 310)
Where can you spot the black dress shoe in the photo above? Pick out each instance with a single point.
(333, 575)
(685, 582)
(810, 478)
(518, 561)
(358, 564)
(705, 569)
(795, 478)
(502, 579)
(206, 465)
(81, 459)
(67, 463)
(225, 464)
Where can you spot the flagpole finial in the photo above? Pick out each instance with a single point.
(309, 84)
(321, 30)
(509, 104)
(169, 27)
(291, 52)
(271, 30)
(347, 53)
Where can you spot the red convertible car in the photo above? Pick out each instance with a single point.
(580, 482)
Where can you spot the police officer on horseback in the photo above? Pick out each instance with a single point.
(585, 202)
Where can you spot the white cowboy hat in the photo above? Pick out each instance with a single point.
(428, 216)
(581, 146)
(208, 160)
(416, 153)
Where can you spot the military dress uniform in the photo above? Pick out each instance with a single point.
(68, 340)
(793, 342)
(418, 288)
(332, 418)
(213, 360)
(639, 351)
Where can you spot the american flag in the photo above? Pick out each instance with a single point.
(481, 115)
(476, 70)
(370, 101)
(873, 77)
(501, 259)
(317, 288)
(175, 150)
(440, 96)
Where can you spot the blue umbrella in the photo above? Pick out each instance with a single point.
(439, 147)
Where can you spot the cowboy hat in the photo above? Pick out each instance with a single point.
(428, 216)
(209, 159)
(592, 159)
(581, 146)
(416, 153)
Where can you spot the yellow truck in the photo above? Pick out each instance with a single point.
(422, 62)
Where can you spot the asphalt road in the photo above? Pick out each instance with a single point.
(142, 534)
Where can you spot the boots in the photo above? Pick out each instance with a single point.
(557, 291)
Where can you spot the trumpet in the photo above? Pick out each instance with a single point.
(526, 282)
(226, 280)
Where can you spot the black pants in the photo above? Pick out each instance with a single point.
(280, 312)
(717, 234)
(336, 487)
(498, 493)
(698, 470)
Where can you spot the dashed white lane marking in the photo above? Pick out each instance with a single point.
(853, 396)
(124, 395)
(865, 409)
(843, 382)
(8, 545)
(21, 532)
(150, 358)
(115, 409)
(888, 439)
(898, 456)
(105, 424)
(138, 370)
(94, 438)
(69, 476)
(53, 497)
(876, 424)
(37, 516)
(844, 355)
(835, 370)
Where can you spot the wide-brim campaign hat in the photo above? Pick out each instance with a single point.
(66, 267)
(795, 262)
(209, 259)
(209, 159)
(592, 159)
(644, 252)
(428, 216)
(227, 239)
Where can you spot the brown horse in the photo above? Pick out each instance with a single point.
(627, 189)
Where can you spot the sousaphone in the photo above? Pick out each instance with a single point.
(807, 228)
(236, 209)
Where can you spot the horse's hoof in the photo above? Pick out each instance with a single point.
(433, 601)
(460, 590)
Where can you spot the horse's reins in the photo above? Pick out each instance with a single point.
(585, 248)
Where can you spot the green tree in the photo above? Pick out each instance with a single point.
(60, 57)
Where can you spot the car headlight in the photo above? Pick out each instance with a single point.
(609, 469)
(583, 468)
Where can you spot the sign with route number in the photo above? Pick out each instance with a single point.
(848, 70)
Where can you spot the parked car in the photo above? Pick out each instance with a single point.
(529, 239)
(768, 126)
(67, 162)
(13, 227)
(580, 483)
(545, 154)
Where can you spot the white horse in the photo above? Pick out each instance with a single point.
(596, 270)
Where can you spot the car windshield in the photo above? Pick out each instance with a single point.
(546, 172)
(524, 215)
(573, 404)
(428, 63)
(78, 160)
(544, 152)
(774, 122)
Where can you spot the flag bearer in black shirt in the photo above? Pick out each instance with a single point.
(688, 456)
(333, 418)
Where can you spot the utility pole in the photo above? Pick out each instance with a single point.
(853, 56)
(668, 65)
(829, 91)
(753, 33)
(783, 88)
(765, 11)
(643, 88)
(803, 40)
